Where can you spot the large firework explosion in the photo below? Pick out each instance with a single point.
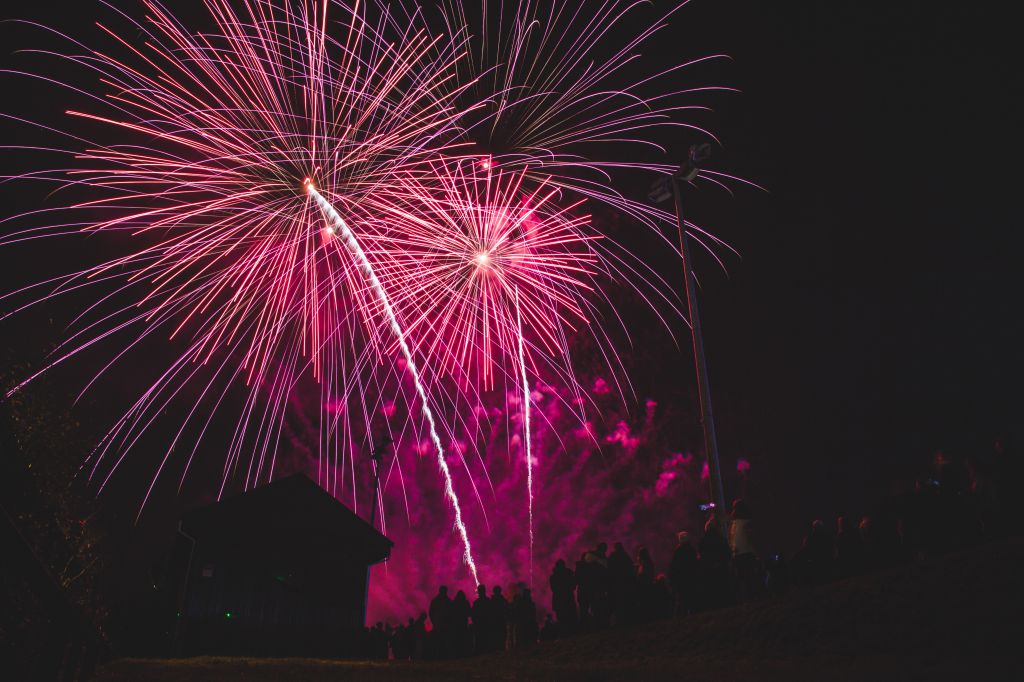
(382, 200)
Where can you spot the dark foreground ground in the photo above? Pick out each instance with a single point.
(956, 618)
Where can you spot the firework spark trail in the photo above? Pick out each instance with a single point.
(351, 243)
(526, 431)
(485, 262)
(214, 130)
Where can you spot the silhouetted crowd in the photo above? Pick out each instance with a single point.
(957, 504)
(458, 628)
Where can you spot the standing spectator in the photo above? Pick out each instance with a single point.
(512, 636)
(459, 643)
(481, 614)
(645, 584)
(662, 593)
(499, 619)
(584, 589)
(401, 641)
(684, 575)
(849, 549)
(621, 587)
(801, 563)
(599, 593)
(744, 555)
(869, 540)
(441, 622)
(644, 567)
(563, 582)
(812, 564)
(714, 560)
(550, 630)
(379, 641)
(524, 620)
(530, 626)
(592, 579)
(419, 638)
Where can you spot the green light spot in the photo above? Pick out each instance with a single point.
(227, 615)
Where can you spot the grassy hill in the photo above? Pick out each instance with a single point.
(955, 618)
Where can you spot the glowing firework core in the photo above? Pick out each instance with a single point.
(482, 259)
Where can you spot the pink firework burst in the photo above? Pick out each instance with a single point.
(207, 145)
(477, 250)
(294, 207)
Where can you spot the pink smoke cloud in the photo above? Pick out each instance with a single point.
(601, 475)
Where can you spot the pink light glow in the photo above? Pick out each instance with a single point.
(401, 309)
(584, 495)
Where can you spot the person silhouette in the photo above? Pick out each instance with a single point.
(499, 619)
(849, 549)
(481, 614)
(562, 583)
(459, 633)
(441, 622)
(645, 577)
(621, 584)
(744, 554)
(715, 555)
(684, 575)
(525, 619)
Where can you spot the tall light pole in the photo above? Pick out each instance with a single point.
(687, 172)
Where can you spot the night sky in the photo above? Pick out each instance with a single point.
(873, 315)
(872, 319)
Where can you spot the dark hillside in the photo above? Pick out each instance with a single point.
(957, 617)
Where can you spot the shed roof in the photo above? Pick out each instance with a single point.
(289, 514)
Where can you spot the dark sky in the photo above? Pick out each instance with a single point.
(873, 316)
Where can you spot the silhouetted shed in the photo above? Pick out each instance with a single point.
(278, 570)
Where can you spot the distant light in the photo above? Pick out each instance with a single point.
(329, 230)
(485, 164)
